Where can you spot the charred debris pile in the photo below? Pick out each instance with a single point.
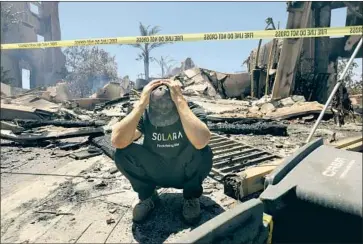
(50, 117)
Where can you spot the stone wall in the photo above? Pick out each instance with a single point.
(37, 18)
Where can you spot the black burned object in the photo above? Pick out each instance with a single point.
(259, 128)
(104, 143)
(341, 105)
(87, 153)
(29, 123)
(72, 146)
(30, 138)
(232, 184)
(101, 106)
(236, 120)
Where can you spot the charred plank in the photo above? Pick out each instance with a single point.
(101, 106)
(217, 119)
(104, 143)
(256, 128)
(86, 153)
(26, 138)
(29, 123)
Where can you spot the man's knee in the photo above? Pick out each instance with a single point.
(207, 156)
(130, 150)
(128, 155)
(128, 160)
(205, 160)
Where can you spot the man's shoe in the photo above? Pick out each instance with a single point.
(144, 208)
(191, 210)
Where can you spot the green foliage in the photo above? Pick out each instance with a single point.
(146, 48)
(87, 67)
(5, 76)
(354, 85)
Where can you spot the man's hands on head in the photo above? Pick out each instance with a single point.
(145, 95)
(124, 132)
(175, 90)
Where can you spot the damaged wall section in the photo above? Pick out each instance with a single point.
(39, 22)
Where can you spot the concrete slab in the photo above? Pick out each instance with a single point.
(190, 73)
(12, 111)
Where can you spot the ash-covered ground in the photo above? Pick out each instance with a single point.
(47, 196)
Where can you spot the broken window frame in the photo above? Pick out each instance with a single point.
(31, 6)
(334, 14)
(22, 78)
(38, 35)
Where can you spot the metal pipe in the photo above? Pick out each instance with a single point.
(334, 90)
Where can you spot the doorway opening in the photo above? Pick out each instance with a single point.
(25, 78)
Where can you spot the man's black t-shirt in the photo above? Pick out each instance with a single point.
(167, 141)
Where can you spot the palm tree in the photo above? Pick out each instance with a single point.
(146, 48)
(165, 64)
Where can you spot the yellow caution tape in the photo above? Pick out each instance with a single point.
(267, 219)
(215, 36)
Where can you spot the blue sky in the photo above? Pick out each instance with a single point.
(114, 19)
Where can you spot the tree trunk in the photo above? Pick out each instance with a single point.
(162, 71)
(146, 67)
(162, 67)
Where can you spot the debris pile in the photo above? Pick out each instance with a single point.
(40, 116)
(357, 104)
(185, 65)
(204, 82)
(45, 116)
(63, 145)
(58, 93)
(287, 108)
(356, 100)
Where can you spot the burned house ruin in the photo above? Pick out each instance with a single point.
(38, 21)
(283, 67)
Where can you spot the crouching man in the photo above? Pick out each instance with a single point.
(174, 153)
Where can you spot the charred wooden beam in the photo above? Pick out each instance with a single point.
(28, 123)
(333, 77)
(255, 82)
(256, 129)
(354, 9)
(215, 119)
(10, 126)
(322, 19)
(337, 48)
(26, 138)
(104, 143)
(291, 50)
(101, 106)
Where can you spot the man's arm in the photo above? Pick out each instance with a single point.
(125, 131)
(196, 131)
